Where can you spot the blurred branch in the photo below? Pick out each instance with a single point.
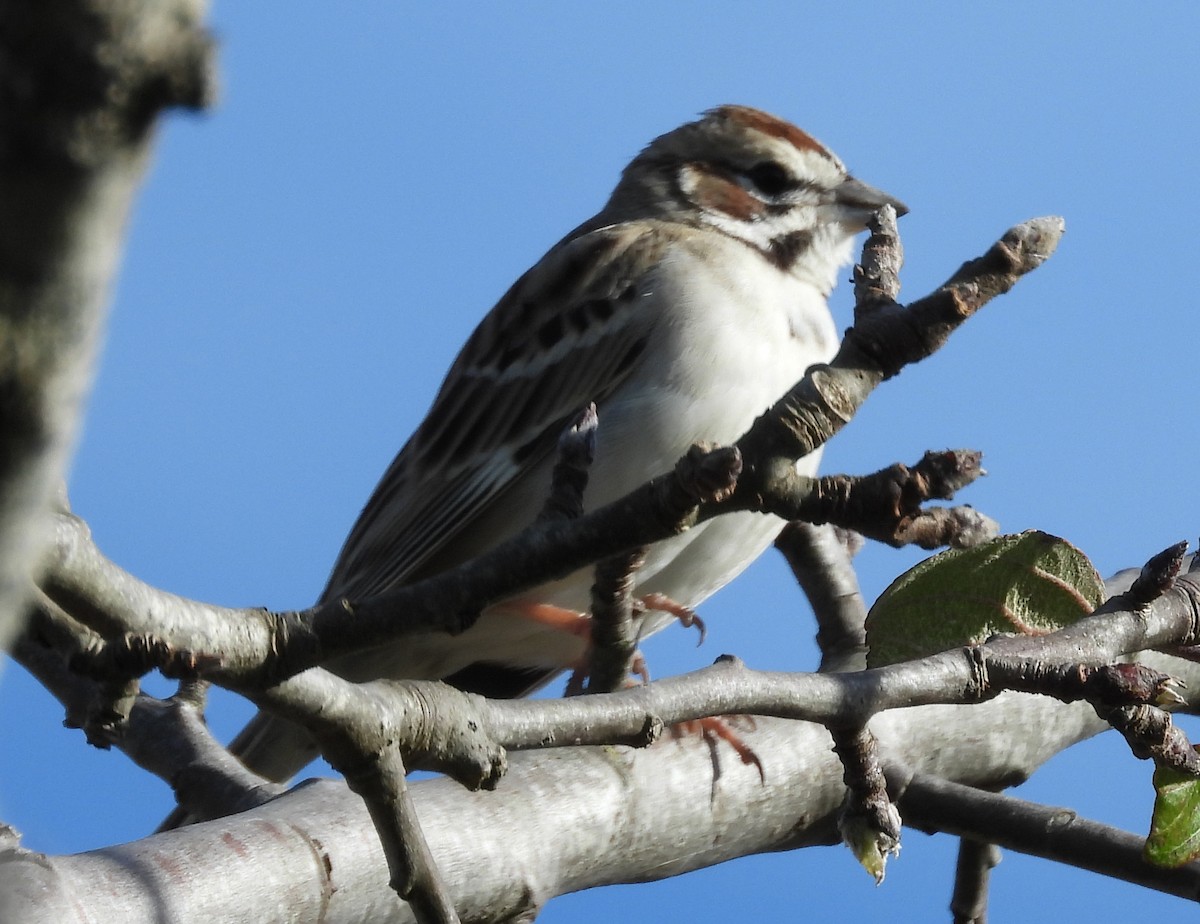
(81, 85)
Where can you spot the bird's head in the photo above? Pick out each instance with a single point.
(759, 179)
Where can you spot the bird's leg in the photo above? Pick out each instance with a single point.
(579, 624)
(574, 622)
(577, 682)
(556, 617)
(712, 729)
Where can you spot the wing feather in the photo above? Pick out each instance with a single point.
(567, 333)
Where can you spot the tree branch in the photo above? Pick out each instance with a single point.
(80, 86)
(972, 873)
(1043, 831)
(619, 812)
(821, 564)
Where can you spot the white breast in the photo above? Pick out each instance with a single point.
(734, 335)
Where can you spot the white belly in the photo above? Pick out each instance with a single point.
(750, 337)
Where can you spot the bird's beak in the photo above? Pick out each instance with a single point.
(858, 194)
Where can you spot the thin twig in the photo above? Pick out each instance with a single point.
(821, 564)
(414, 874)
(614, 635)
(868, 822)
(1056, 834)
(972, 876)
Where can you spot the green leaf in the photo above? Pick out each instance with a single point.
(1175, 826)
(1030, 583)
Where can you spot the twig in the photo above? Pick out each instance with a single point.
(569, 478)
(168, 739)
(1057, 834)
(614, 635)
(868, 822)
(1127, 696)
(972, 875)
(886, 505)
(414, 875)
(877, 274)
(879, 345)
(821, 564)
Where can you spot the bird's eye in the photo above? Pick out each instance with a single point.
(769, 177)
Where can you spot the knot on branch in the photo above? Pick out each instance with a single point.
(1153, 736)
(981, 683)
(1116, 685)
(709, 474)
(651, 731)
(106, 717)
(431, 724)
(135, 654)
(291, 640)
(888, 339)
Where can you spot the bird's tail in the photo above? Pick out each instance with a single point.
(273, 747)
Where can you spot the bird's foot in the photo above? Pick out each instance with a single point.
(661, 603)
(718, 728)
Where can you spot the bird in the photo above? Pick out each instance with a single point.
(692, 301)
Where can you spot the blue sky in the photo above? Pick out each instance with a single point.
(305, 261)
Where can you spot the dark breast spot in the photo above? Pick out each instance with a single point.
(786, 249)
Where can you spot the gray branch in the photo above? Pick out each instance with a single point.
(80, 87)
(620, 814)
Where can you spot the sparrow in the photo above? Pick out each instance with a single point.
(688, 305)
